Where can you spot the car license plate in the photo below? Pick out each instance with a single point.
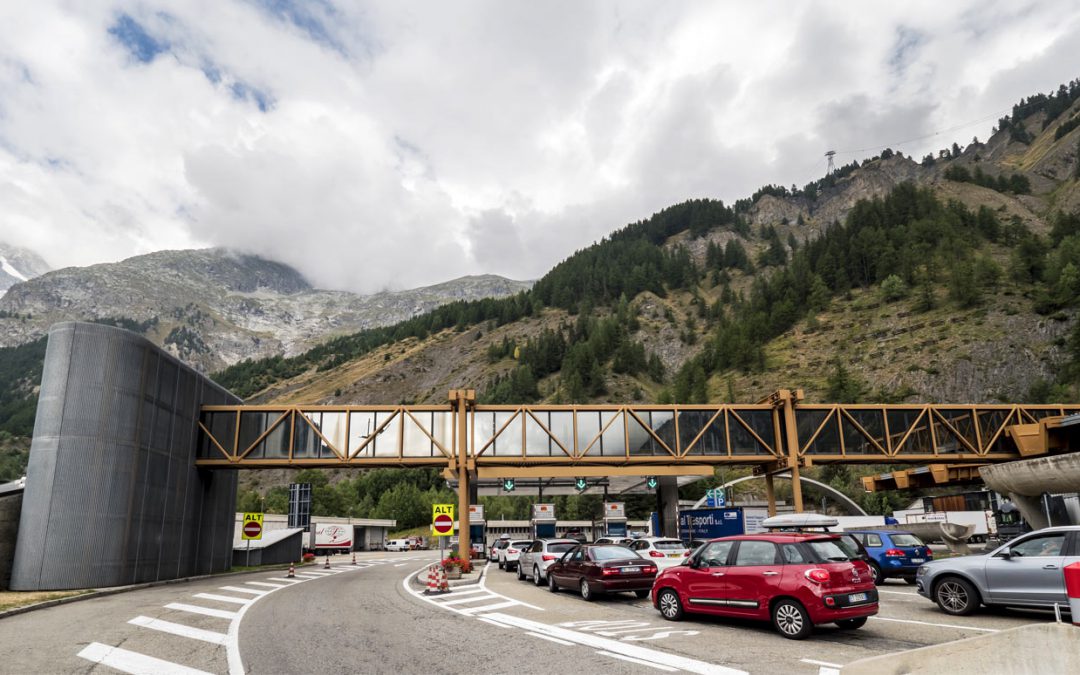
(674, 555)
(918, 560)
(857, 597)
(630, 570)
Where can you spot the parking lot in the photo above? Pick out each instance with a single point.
(906, 621)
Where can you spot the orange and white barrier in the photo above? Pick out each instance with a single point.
(292, 571)
(1072, 589)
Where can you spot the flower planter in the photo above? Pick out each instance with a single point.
(453, 572)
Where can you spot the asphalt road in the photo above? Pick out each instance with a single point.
(373, 618)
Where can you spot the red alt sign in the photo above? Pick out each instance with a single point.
(252, 529)
(443, 524)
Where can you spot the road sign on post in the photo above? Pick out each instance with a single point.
(253, 526)
(442, 520)
(508, 484)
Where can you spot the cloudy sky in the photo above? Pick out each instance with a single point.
(393, 144)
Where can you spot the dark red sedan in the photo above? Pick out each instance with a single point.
(793, 580)
(594, 569)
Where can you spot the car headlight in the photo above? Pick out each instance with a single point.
(922, 571)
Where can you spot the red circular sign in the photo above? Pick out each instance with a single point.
(252, 528)
(443, 523)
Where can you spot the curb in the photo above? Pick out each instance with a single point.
(455, 583)
(99, 593)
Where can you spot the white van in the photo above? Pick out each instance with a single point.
(398, 545)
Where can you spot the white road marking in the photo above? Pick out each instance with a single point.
(180, 629)
(224, 598)
(206, 611)
(308, 577)
(638, 661)
(465, 591)
(320, 573)
(651, 656)
(401, 564)
(133, 662)
(475, 598)
(480, 587)
(827, 671)
(549, 638)
(936, 625)
(821, 663)
(880, 590)
(241, 589)
(494, 623)
(489, 608)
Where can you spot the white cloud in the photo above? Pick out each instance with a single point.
(395, 144)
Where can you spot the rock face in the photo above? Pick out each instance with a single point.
(19, 264)
(214, 307)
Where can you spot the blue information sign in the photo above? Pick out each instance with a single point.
(710, 523)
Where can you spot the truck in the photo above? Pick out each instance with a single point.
(326, 538)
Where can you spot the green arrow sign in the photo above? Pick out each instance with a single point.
(651, 482)
(581, 484)
(508, 484)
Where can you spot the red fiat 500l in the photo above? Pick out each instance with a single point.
(794, 580)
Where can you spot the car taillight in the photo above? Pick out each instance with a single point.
(511, 550)
(651, 569)
(609, 570)
(686, 554)
(548, 556)
(817, 575)
(894, 553)
(656, 554)
(929, 555)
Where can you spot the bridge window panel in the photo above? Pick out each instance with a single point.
(641, 441)
(252, 425)
(807, 422)
(204, 447)
(537, 441)
(305, 441)
(588, 426)
(761, 421)
(505, 423)
(990, 422)
(417, 443)
(828, 441)
(561, 426)
(663, 425)
(743, 442)
(223, 427)
(442, 429)
(613, 439)
(962, 420)
(386, 440)
(856, 442)
(714, 442)
(361, 427)
(333, 429)
(691, 422)
(905, 420)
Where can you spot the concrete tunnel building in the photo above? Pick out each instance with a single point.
(113, 496)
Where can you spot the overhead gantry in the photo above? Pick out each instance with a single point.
(779, 433)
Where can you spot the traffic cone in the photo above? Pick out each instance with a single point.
(444, 585)
(292, 571)
(354, 558)
(432, 581)
(327, 565)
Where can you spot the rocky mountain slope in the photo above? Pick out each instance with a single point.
(213, 307)
(17, 265)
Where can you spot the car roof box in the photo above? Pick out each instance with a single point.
(798, 521)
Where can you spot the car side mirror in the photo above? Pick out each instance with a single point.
(1007, 554)
(694, 562)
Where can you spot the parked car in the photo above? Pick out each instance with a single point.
(815, 522)
(509, 554)
(1025, 572)
(500, 543)
(893, 553)
(617, 541)
(663, 551)
(534, 561)
(595, 569)
(795, 580)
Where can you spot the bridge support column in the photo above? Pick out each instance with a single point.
(667, 492)
(462, 400)
(791, 441)
(1031, 508)
(770, 494)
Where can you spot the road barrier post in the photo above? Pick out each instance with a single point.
(327, 565)
(354, 558)
(1072, 589)
(292, 571)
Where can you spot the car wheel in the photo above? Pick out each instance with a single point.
(642, 594)
(552, 586)
(670, 606)
(956, 596)
(790, 619)
(879, 576)
(536, 576)
(852, 624)
(521, 573)
(586, 592)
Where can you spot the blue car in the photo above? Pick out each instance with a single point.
(893, 553)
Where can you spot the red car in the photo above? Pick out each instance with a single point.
(594, 569)
(794, 580)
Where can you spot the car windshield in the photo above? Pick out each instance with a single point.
(612, 553)
(520, 544)
(829, 550)
(848, 546)
(560, 548)
(669, 545)
(906, 540)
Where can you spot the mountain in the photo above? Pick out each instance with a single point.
(17, 265)
(215, 307)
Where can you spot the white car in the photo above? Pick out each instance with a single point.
(661, 550)
(534, 561)
(617, 541)
(509, 554)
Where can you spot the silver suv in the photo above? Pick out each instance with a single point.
(1026, 572)
(534, 561)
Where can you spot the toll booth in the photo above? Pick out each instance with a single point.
(477, 531)
(612, 522)
(542, 523)
(702, 524)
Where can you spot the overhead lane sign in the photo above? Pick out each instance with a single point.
(442, 520)
(253, 526)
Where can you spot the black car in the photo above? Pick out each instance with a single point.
(595, 569)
